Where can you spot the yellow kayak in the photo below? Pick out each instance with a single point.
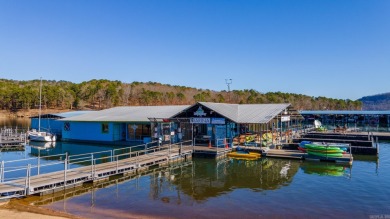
(249, 155)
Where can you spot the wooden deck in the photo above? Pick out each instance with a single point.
(139, 161)
(205, 151)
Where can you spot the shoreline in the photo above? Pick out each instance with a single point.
(29, 113)
(18, 208)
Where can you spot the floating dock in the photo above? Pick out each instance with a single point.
(361, 144)
(213, 152)
(11, 139)
(289, 153)
(95, 168)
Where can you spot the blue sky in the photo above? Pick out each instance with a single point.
(331, 48)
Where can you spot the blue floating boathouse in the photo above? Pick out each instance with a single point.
(203, 122)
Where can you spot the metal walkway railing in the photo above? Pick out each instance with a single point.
(68, 170)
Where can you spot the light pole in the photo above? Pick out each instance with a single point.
(228, 82)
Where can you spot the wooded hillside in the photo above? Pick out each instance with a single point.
(101, 94)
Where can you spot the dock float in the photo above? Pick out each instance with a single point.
(361, 144)
(297, 155)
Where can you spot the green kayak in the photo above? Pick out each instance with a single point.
(319, 147)
(328, 151)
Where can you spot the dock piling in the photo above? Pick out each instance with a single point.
(38, 163)
(92, 165)
(2, 171)
(28, 179)
(65, 167)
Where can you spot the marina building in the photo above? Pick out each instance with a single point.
(203, 122)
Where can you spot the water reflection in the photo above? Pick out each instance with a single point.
(202, 179)
(41, 145)
(209, 178)
(15, 122)
(326, 169)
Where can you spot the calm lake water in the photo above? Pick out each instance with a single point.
(229, 188)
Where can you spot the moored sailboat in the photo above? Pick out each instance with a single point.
(38, 135)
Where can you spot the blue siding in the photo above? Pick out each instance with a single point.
(90, 131)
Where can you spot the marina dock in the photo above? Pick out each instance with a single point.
(12, 139)
(295, 154)
(361, 143)
(214, 152)
(94, 167)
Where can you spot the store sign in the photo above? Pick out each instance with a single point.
(199, 112)
(202, 120)
(218, 121)
(285, 118)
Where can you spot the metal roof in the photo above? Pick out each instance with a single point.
(247, 113)
(260, 113)
(229, 111)
(62, 115)
(344, 112)
(129, 114)
(71, 114)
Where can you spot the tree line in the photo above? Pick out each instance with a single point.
(101, 94)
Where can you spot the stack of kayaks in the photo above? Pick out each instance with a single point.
(302, 145)
(323, 151)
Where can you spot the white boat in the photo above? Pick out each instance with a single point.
(38, 135)
(35, 135)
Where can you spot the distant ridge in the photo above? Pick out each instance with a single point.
(376, 102)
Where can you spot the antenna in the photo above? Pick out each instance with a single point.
(228, 82)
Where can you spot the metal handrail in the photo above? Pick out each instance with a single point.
(32, 158)
(89, 157)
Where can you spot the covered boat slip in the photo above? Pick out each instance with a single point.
(357, 120)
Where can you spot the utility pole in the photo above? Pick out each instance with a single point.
(228, 82)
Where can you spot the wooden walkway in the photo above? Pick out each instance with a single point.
(139, 161)
(205, 151)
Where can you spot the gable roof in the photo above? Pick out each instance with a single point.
(129, 114)
(247, 113)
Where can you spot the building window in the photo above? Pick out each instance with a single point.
(66, 126)
(138, 131)
(105, 128)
